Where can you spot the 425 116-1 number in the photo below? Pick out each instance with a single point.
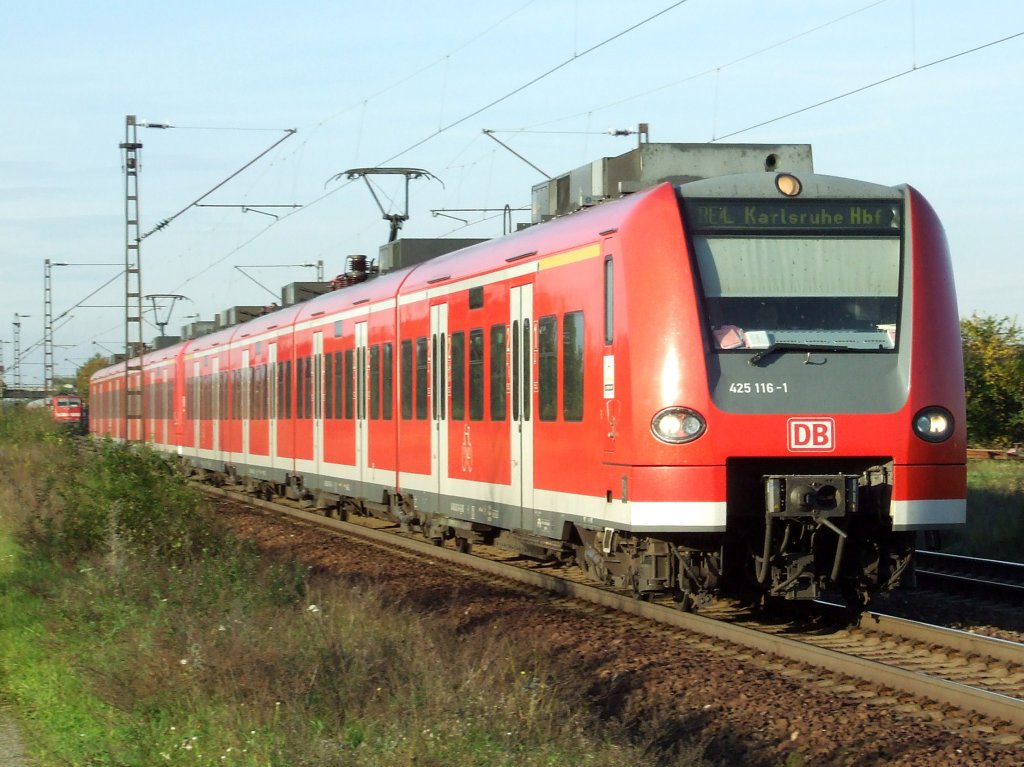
(746, 387)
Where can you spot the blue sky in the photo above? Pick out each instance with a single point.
(925, 92)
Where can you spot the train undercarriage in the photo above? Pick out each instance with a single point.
(789, 537)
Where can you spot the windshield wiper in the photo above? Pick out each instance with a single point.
(791, 346)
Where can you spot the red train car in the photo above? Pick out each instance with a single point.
(67, 410)
(723, 384)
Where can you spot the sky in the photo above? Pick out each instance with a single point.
(924, 92)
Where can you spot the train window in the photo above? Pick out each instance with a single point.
(406, 383)
(280, 390)
(257, 394)
(829, 290)
(204, 390)
(572, 366)
(307, 394)
(499, 349)
(246, 398)
(515, 370)
(476, 298)
(361, 382)
(222, 406)
(287, 376)
(442, 362)
(547, 382)
(435, 389)
(208, 398)
(350, 379)
(264, 402)
(328, 386)
(318, 385)
(266, 374)
(288, 389)
(458, 375)
(375, 382)
(245, 406)
(609, 302)
(387, 371)
(476, 374)
(421, 378)
(339, 385)
(337, 328)
(300, 387)
(527, 370)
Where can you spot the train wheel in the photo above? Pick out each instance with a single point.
(462, 545)
(855, 598)
(685, 601)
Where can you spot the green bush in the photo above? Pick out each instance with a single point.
(117, 498)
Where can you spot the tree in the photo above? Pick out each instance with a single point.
(994, 380)
(94, 363)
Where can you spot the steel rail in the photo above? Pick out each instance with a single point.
(989, 577)
(954, 639)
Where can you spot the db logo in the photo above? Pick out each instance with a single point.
(812, 434)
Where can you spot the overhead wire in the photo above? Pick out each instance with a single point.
(585, 52)
(718, 67)
(869, 86)
(561, 65)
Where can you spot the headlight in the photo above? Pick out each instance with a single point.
(677, 424)
(933, 424)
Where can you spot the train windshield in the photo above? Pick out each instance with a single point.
(765, 292)
(797, 273)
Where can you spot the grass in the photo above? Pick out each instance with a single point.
(995, 512)
(134, 632)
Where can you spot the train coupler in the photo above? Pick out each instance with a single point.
(803, 544)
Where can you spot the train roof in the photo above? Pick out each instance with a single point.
(558, 234)
(552, 236)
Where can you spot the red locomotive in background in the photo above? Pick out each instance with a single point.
(744, 380)
(67, 409)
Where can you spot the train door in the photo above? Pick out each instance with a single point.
(362, 432)
(243, 407)
(215, 413)
(318, 409)
(522, 402)
(196, 384)
(272, 404)
(439, 397)
(165, 403)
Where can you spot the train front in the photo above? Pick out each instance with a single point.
(834, 378)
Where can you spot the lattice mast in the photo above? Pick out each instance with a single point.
(132, 402)
(47, 328)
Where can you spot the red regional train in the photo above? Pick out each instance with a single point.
(746, 383)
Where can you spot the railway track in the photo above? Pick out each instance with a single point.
(985, 577)
(912, 661)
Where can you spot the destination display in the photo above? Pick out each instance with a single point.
(860, 216)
